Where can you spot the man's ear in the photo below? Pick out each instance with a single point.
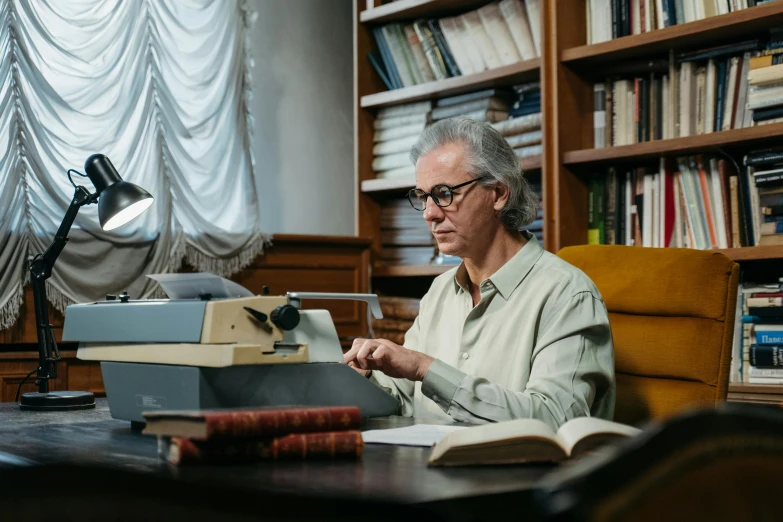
(501, 196)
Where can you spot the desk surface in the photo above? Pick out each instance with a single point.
(388, 473)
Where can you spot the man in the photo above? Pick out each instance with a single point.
(514, 331)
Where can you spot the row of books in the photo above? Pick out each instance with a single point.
(497, 34)
(757, 356)
(609, 19)
(690, 202)
(728, 87)
(515, 112)
(248, 435)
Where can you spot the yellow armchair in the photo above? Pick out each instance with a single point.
(672, 316)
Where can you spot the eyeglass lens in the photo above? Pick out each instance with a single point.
(441, 195)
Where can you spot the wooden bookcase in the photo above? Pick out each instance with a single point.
(370, 94)
(567, 69)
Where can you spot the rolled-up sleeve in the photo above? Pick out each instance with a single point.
(573, 361)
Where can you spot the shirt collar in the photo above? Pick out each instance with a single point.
(509, 276)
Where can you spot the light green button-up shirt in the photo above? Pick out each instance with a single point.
(537, 345)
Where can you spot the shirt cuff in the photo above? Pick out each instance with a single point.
(440, 383)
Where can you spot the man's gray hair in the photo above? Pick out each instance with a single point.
(487, 154)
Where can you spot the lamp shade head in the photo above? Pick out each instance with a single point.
(118, 201)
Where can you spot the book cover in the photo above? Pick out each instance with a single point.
(307, 446)
(250, 422)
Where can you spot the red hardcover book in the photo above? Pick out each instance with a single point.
(297, 446)
(250, 422)
(668, 203)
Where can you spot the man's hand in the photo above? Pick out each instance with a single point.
(392, 359)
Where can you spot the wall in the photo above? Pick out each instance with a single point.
(303, 110)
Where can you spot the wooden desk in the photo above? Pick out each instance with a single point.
(392, 474)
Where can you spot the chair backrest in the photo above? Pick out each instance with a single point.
(717, 464)
(672, 316)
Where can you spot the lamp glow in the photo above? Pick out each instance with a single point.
(127, 214)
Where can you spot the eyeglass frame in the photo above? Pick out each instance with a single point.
(429, 194)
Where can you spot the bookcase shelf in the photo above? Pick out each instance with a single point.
(746, 138)
(500, 77)
(411, 9)
(756, 253)
(410, 270)
(715, 30)
(756, 393)
(390, 186)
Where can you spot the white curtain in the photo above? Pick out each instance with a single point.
(159, 86)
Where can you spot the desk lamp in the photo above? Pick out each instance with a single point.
(118, 202)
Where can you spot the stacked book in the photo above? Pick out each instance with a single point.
(695, 202)
(254, 434)
(608, 19)
(497, 34)
(399, 313)
(396, 130)
(523, 133)
(765, 82)
(490, 105)
(515, 112)
(764, 173)
(405, 236)
(757, 357)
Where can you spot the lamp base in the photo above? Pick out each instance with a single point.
(57, 401)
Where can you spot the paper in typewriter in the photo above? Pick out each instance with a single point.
(192, 286)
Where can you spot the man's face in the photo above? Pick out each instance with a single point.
(464, 225)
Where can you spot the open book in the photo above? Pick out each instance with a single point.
(526, 440)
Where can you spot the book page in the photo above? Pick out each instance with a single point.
(501, 434)
(416, 435)
(575, 430)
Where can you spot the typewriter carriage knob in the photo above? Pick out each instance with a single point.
(286, 317)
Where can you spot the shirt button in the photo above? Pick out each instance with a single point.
(465, 355)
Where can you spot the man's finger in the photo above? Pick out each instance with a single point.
(350, 355)
(364, 352)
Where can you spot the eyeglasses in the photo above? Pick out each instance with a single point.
(442, 195)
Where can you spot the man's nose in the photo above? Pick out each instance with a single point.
(432, 212)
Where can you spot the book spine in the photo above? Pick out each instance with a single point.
(440, 40)
(754, 159)
(260, 423)
(329, 445)
(383, 47)
(431, 50)
(764, 337)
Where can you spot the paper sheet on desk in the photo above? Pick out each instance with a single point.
(416, 435)
(191, 286)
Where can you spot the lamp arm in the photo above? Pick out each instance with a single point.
(41, 267)
(40, 271)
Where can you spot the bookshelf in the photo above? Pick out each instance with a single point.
(500, 77)
(370, 95)
(567, 70)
